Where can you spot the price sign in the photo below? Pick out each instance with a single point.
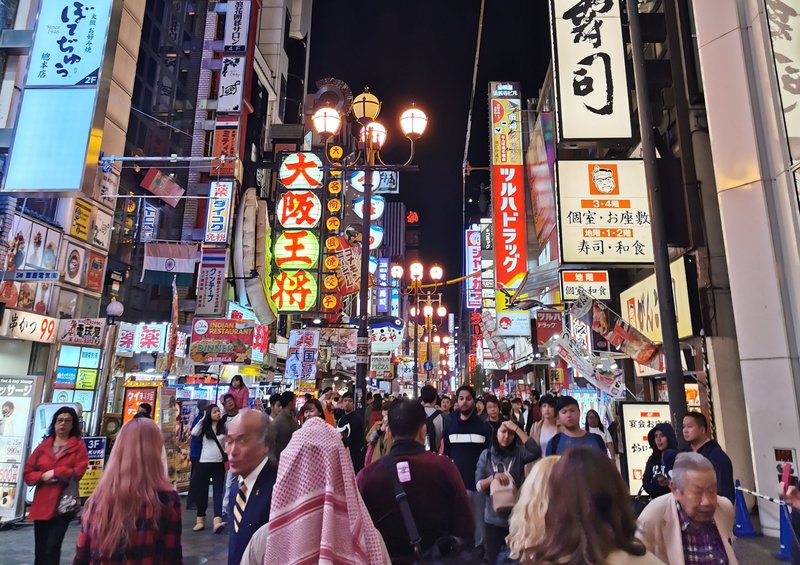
(28, 326)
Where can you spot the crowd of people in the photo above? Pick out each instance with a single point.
(435, 479)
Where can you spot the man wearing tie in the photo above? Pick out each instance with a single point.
(249, 445)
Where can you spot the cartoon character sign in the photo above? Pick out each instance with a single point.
(386, 333)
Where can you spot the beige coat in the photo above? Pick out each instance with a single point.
(660, 530)
(623, 558)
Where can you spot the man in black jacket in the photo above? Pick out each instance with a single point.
(695, 433)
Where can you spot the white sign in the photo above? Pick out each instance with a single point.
(237, 23)
(377, 205)
(380, 365)
(219, 212)
(473, 266)
(639, 304)
(604, 213)
(231, 84)
(84, 331)
(211, 281)
(29, 327)
(784, 25)
(590, 70)
(126, 339)
(593, 283)
(513, 324)
(637, 421)
(149, 227)
(69, 44)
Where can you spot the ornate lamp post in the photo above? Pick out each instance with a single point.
(372, 137)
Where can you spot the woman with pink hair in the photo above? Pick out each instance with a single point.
(134, 515)
(317, 514)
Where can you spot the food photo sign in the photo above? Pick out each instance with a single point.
(221, 340)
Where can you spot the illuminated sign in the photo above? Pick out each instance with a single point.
(473, 266)
(377, 205)
(150, 215)
(382, 302)
(219, 212)
(375, 237)
(508, 185)
(590, 70)
(301, 170)
(604, 212)
(299, 209)
(412, 217)
(297, 249)
(294, 291)
(594, 283)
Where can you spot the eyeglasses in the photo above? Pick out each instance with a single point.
(64, 420)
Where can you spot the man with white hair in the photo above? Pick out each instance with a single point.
(693, 525)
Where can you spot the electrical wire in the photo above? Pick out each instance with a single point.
(142, 112)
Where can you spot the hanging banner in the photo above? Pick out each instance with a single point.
(571, 351)
(590, 69)
(226, 142)
(211, 281)
(497, 346)
(149, 227)
(219, 340)
(301, 362)
(473, 266)
(219, 212)
(604, 212)
(548, 324)
(231, 84)
(382, 282)
(237, 23)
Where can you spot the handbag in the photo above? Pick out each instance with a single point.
(639, 502)
(69, 502)
(445, 550)
(504, 497)
(225, 461)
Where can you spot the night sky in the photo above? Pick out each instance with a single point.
(423, 52)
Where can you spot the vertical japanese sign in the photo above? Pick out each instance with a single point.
(96, 447)
(226, 139)
(61, 97)
(211, 281)
(638, 418)
(473, 266)
(508, 185)
(134, 398)
(333, 212)
(219, 212)
(237, 22)
(548, 324)
(784, 31)
(231, 84)
(16, 398)
(589, 63)
(604, 212)
(301, 362)
(382, 302)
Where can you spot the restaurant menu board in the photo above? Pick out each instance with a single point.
(135, 397)
(96, 447)
(16, 398)
(638, 418)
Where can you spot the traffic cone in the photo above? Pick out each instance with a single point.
(744, 527)
(784, 553)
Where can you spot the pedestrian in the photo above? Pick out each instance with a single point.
(569, 414)
(591, 521)
(312, 408)
(378, 441)
(195, 447)
(374, 409)
(274, 406)
(480, 408)
(317, 514)
(518, 412)
(526, 524)
(210, 468)
(231, 409)
(134, 515)
(240, 392)
(351, 426)
(145, 410)
(325, 399)
(432, 484)
(493, 412)
(547, 426)
(695, 433)
(693, 524)
(504, 461)
(250, 448)
(434, 419)
(54, 468)
(285, 423)
(534, 412)
(655, 480)
(465, 438)
(447, 405)
(593, 425)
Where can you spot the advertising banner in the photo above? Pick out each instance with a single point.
(511, 323)
(573, 353)
(81, 218)
(134, 398)
(473, 265)
(638, 418)
(604, 212)
(301, 362)
(590, 68)
(593, 283)
(96, 446)
(126, 338)
(237, 23)
(16, 402)
(380, 365)
(149, 227)
(211, 281)
(219, 212)
(220, 340)
(382, 283)
(226, 142)
(84, 331)
(497, 346)
(28, 327)
(231, 84)
(163, 186)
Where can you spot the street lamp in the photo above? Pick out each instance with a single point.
(365, 110)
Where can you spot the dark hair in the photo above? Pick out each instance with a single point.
(317, 404)
(225, 398)
(466, 388)
(517, 400)
(387, 404)
(505, 408)
(238, 378)
(308, 396)
(76, 422)
(548, 399)
(564, 401)
(427, 394)
(490, 398)
(405, 418)
(593, 516)
(377, 401)
(286, 398)
(147, 408)
(347, 395)
(274, 399)
(599, 421)
(208, 431)
(202, 404)
(326, 390)
(699, 418)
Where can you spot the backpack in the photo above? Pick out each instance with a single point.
(600, 443)
(430, 431)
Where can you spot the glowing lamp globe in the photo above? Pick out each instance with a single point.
(396, 272)
(326, 122)
(416, 270)
(441, 311)
(376, 133)
(115, 309)
(437, 273)
(412, 312)
(366, 107)
(428, 311)
(413, 122)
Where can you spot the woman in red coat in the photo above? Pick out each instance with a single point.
(59, 458)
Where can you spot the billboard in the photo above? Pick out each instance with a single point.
(219, 212)
(604, 212)
(472, 267)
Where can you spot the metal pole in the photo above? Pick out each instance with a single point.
(666, 302)
(362, 353)
(416, 346)
(428, 328)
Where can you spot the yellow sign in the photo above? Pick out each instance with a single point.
(87, 379)
(329, 301)
(333, 223)
(331, 262)
(332, 244)
(331, 282)
(334, 205)
(336, 152)
(506, 131)
(335, 187)
(81, 217)
(90, 479)
(297, 249)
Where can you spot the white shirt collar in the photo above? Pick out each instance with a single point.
(250, 479)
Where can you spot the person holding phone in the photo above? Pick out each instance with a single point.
(656, 473)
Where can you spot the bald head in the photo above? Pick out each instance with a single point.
(249, 441)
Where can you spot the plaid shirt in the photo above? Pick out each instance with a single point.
(148, 544)
(702, 545)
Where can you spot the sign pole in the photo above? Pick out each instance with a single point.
(362, 353)
(666, 301)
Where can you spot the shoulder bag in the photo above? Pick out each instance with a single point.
(445, 550)
(224, 455)
(504, 497)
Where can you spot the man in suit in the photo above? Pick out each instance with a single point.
(249, 445)
(693, 524)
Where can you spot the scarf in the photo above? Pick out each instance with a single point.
(317, 514)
